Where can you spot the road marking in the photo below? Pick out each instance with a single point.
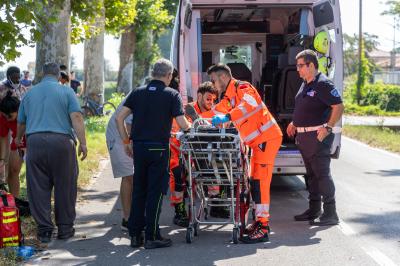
(378, 256)
(373, 148)
(374, 253)
(346, 229)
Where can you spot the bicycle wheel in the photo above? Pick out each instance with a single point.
(87, 111)
(108, 108)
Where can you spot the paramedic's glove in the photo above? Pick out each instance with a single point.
(219, 119)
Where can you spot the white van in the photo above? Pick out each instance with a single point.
(259, 40)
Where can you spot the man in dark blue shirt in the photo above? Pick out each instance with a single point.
(153, 107)
(318, 107)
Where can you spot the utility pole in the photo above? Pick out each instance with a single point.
(360, 40)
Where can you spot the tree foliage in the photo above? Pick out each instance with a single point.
(18, 24)
(370, 43)
(393, 8)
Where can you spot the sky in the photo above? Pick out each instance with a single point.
(373, 22)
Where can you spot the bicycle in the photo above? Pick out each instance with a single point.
(92, 108)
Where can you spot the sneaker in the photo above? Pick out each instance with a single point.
(45, 237)
(251, 227)
(181, 218)
(64, 236)
(158, 243)
(260, 234)
(124, 225)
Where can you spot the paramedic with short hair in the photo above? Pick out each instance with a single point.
(318, 107)
(206, 96)
(241, 104)
(153, 107)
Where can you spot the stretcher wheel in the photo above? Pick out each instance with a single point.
(235, 235)
(196, 229)
(189, 235)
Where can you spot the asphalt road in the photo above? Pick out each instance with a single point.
(368, 199)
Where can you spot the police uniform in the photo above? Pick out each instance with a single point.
(153, 108)
(312, 111)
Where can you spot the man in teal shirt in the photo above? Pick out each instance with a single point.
(51, 116)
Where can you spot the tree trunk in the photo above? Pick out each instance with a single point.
(143, 57)
(126, 52)
(93, 62)
(55, 43)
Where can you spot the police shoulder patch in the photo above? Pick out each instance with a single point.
(335, 93)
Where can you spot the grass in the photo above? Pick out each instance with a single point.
(376, 136)
(354, 109)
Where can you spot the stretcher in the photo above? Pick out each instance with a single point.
(215, 157)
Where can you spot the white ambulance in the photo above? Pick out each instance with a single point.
(258, 40)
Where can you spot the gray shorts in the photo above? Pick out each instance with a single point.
(122, 164)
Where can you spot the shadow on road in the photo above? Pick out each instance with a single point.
(110, 246)
(385, 173)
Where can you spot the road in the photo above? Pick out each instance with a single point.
(368, 199)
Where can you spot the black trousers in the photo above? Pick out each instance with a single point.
(316, 156)
(150, 179)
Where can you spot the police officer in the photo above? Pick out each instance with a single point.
(318, 107)
(153, 107)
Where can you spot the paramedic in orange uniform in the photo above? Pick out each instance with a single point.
(206, 96)
(241, 104)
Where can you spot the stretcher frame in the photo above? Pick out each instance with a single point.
(211, 157)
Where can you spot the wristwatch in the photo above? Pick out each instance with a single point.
(328, 129)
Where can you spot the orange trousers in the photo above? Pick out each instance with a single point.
(261, 166)
(175, 178)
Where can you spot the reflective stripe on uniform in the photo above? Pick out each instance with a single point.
(233, 102)
(259, 131)
(245, 116)
(243, 109)
(262, 210)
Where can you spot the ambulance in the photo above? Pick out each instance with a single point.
(259, 40)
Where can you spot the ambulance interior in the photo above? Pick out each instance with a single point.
(259, 45)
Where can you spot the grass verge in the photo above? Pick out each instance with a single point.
(380, 137)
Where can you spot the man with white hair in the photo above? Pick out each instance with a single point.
(153, 108)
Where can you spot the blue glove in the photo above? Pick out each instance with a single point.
(219, 119)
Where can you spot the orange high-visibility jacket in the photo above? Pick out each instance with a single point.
(248, 113)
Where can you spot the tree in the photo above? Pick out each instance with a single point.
(393, 8)
(350, 56)
(21, 16)
(54, 43)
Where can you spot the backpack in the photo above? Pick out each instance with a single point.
(10, 223)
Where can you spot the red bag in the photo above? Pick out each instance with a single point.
(10, 223)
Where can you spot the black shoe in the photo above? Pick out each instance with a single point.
(137, 240)
(251, 227)
(23, 207)
(158, 243)
(124, 225)
(329, 217)
(259, 235)
(64, 236)
(181, 218)
(313, 212)
(3, 186)
(45, 237)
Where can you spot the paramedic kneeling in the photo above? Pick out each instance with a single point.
(318, 107)
(153, 107)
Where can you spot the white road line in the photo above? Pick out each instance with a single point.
(378, 256)
(373, 148)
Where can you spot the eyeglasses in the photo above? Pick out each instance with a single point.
(301, 65)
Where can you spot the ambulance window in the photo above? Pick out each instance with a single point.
(323, 14)
(236, 54)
